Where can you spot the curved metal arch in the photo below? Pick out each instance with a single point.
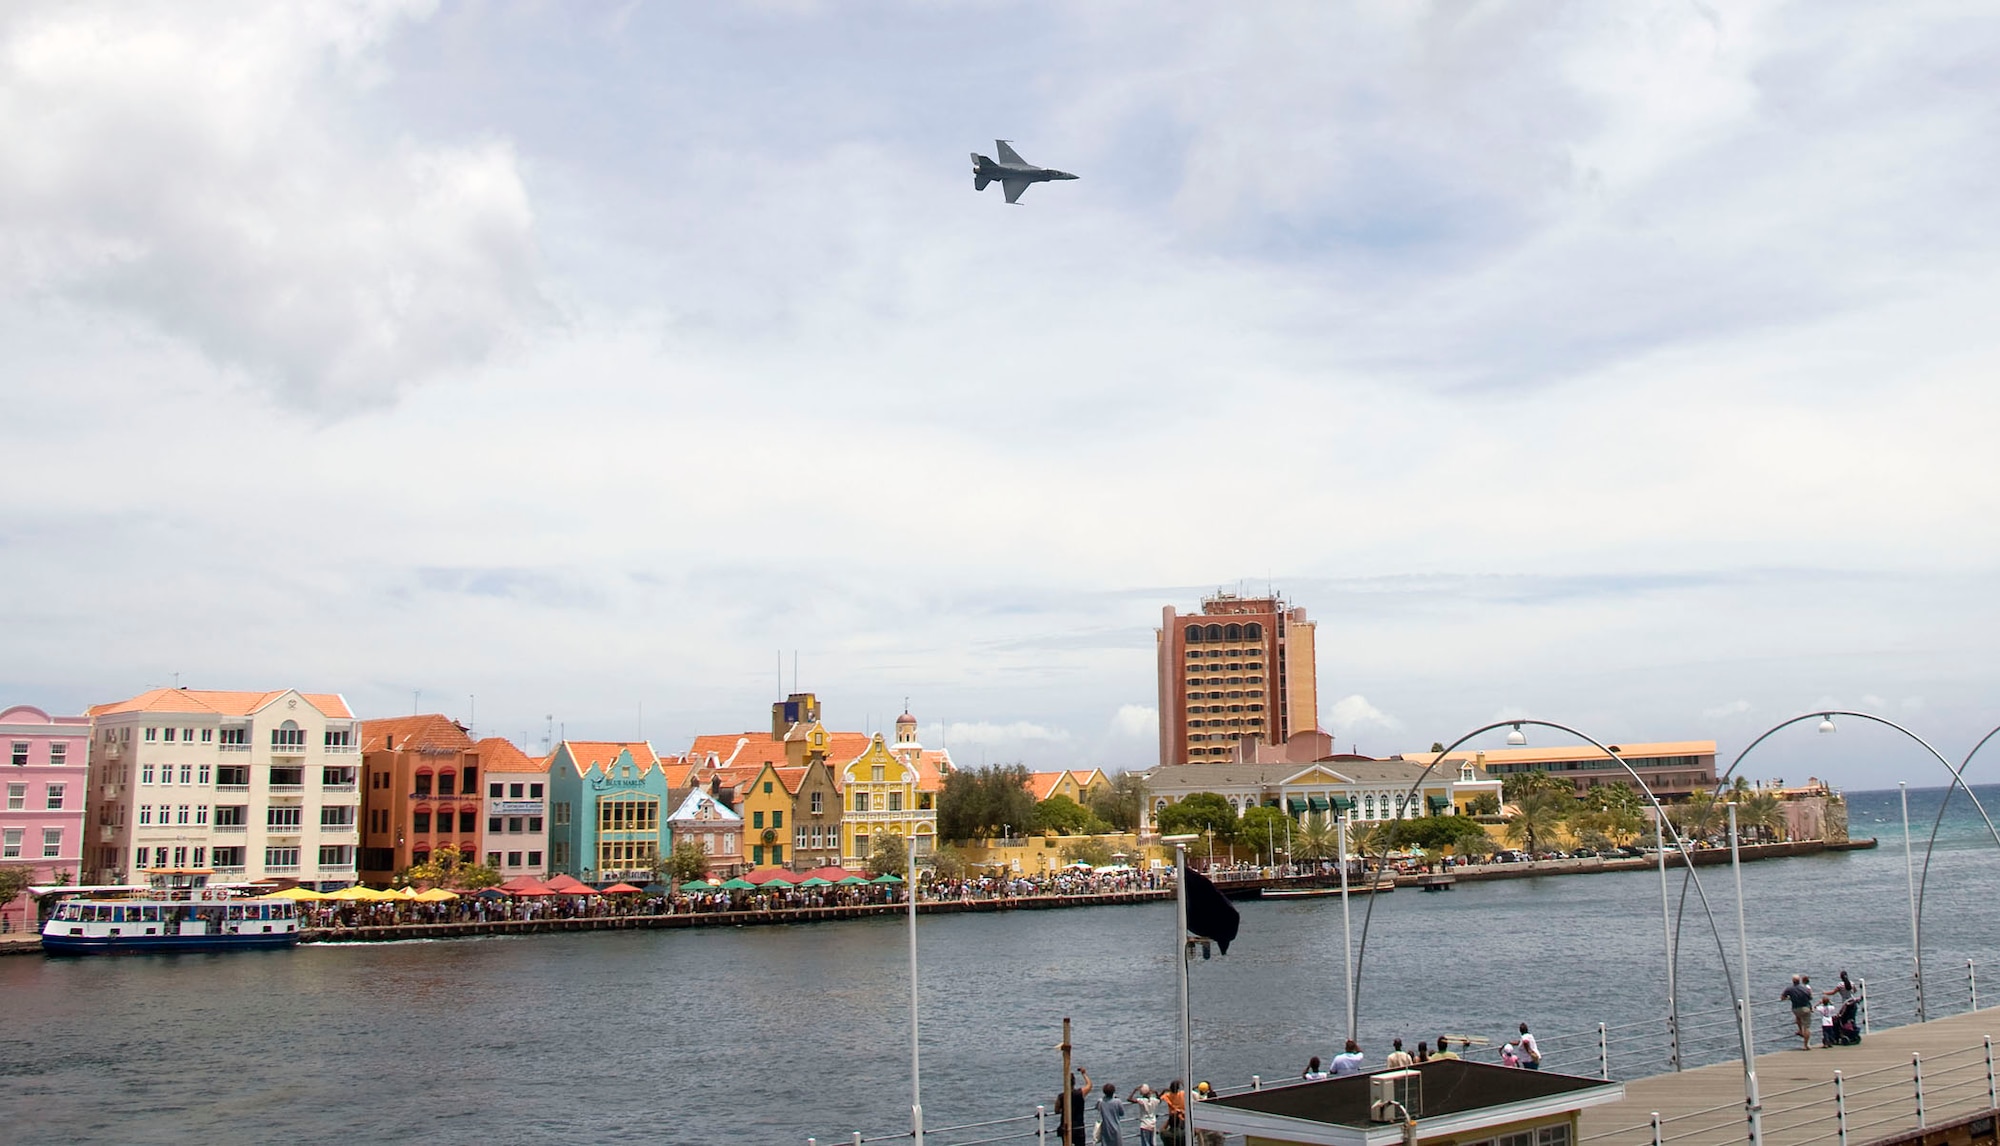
(1680, 843)
(1958, 775)
(1721, 783)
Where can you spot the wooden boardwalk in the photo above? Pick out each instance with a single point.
(1704, 1107)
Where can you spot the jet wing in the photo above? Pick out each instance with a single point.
(1014, 187)
(1008, 154)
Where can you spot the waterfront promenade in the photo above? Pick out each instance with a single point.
(1881, 1091)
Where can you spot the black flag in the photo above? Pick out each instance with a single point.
(1209, 915)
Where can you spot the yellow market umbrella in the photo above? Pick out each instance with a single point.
(358, 892)
(400, 893)
(434, 895)
(298, 893)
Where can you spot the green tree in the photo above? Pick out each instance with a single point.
(1483, 804)
(1066, 817)
(1437, 746)
(1198, 812)
(1618, 796)
(978, 803)
(1762, 815)
(948, 861)
(686, 862)
(1699, 817)
(1431, 833)
(888, 855)
(447, 867)
(1085, 849)
(1538, 817)
(14, 879)
(1315, 841)
(1264, 828)
(1515, 786)
(1122, 804)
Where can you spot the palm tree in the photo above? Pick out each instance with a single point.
(1699, 816)
(1762, 813)
(1315, 841)
(1538, 817)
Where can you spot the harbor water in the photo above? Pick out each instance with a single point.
(768, 1035)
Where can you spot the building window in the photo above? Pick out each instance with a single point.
(337, 816)
(860, 801)
(514, 791)
(279, 816)
(232, 815)
(493, 858)
(778, 819)
(342, 738)
(281, 858)
(534, 793)
(201, 857)
(816, 808)
(145, 773)
(233, 738)
(757, 854)
(559, 854)
(421, 822)
(207, 736)
(152, 734)
(534, 859)
(159, 857)
(145, 813)
(10, 845)
(336, 855)
(187, 773)
(423, 783)
(468, 821)
(756, 819)
(447, 783)
(895, 801)
(169, 737)
(21, 754)
(562, 814)
(201, 816)
(201, 775)
(877, 773)
(777, 853)
(628, 814)
(17, 797)
(287, 778)
(534, 823)
(289, 736)
(492, 825)
(181, 852)
(493, 791)
(232, 776)
(799, 840)
(227, 857)
(861, 846)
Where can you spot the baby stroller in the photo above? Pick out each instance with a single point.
(1846, 1030)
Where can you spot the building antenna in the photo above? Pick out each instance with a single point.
(177, 680)
(549, 736)
(472, 716)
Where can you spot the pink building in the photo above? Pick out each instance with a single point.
(41, 825)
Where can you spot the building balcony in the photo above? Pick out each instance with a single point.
(288, 750)
(232, 827)
(232, 787)
(925, 815)
(233, 748)
(338, 829)
(272, 867)
(237, 870)
(348, 749)
(347, 787)
(288, 789)
(337, 868)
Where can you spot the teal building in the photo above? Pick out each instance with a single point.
(607, 811)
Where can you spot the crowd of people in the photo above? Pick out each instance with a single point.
(493, 905)
(1519, 1051)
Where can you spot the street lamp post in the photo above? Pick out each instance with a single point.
(1752, 1105)
(1347, 922)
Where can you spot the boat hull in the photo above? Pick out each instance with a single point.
(164, 944)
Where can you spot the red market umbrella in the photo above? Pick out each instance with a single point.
(525, 887)
(622, 889)
(568, 883)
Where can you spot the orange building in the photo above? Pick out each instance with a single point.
(1242, 668)
(419, 792)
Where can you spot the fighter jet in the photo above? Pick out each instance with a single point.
(1013, 172)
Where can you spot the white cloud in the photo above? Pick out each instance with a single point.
(1733, 708)
(1012, 733)
(1354, 713)
(1136, 722)
(208, 171)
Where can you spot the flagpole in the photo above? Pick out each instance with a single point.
(1181, 958)
(916, 1090)
(1346, 919)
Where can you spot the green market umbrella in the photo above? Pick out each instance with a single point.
(778, 881)
(738, 885)
(887, 878)
(816, 881)
(851, 879)
(695, 885)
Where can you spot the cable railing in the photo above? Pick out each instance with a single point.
(1859, 1105)
(1701, 1036)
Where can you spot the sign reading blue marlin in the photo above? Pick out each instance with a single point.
(1013, 172)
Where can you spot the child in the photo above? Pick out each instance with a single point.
(1827, 1014)
(1510, 1055)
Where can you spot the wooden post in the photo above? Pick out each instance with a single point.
(1063, 1101)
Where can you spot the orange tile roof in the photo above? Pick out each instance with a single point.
(431, 731)
(1529, 755)
(1042, 785)
(219, 702)
(588, 754)
(747, 748)
(499, 754)
(791, 778)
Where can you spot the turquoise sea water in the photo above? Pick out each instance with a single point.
(769, 1035)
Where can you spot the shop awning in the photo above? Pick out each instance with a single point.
(1342, 804)
(1318, 803)
(1297, 807)
(1438, 803)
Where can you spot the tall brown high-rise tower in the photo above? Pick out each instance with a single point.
(1242, 667)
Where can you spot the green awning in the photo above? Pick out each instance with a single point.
(1342, 804)
(1318, 803)
(1298, 807)
(1439, 803)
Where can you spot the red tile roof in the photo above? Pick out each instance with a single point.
(203, 700)
(601, 754)
(499, 754)
(433, 732)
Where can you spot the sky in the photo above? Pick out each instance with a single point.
(584, 369)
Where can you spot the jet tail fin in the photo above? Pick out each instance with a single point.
(979, 182)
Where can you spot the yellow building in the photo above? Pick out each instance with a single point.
(1077, 785)
(890, 790)
(768, 814)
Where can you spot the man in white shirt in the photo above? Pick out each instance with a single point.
(1349, 1060)
(1531, 1055)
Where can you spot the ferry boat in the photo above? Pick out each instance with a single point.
(176, 910)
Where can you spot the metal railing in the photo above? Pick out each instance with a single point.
(1869, 1104)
